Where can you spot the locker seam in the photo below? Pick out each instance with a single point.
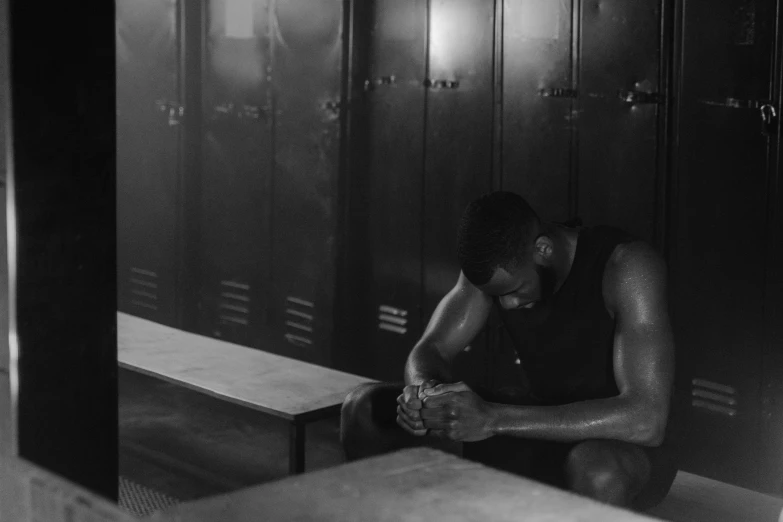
(423, 203)
(497, 93)
(271, 311)
(771, 195)
(344, 187)
(576, 54)
(180, 183)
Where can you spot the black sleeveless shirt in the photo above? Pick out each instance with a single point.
(566, 344)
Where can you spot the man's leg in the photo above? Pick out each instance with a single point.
(616, 472)
(368, 423)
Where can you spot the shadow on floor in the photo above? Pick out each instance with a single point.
(187, 445)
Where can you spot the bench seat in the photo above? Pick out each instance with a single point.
(294, 390)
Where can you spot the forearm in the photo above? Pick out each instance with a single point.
(425, 363)
(614, 418)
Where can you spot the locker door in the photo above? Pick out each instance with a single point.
(720, 231)
(237, 170)
(308, 51)
(537, 129)
(148, 132)
(458, 146)
(618, 114)
(538, 92)
(395, 134)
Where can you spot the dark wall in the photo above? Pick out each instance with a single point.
(62, 239)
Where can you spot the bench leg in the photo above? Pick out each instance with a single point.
(296, 448)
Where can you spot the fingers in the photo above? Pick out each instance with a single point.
(412, 412)
(440, 389)
(430, 414)
(412, 426)
(410, 397)
(427, 385)
(438, 424)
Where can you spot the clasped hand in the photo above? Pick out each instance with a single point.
(451, 411)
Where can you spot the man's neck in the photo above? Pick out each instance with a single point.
(564, 241)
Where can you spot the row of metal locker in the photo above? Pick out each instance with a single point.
(291, 173)
(231, 231)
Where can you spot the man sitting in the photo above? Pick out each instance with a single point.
(586, 308)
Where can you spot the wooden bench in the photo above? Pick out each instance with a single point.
(410, 485)
(286, 388)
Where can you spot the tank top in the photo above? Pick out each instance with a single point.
(565, 345)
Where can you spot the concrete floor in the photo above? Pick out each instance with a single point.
(187, 445)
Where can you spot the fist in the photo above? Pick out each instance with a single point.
(409, 405)
(455, 412)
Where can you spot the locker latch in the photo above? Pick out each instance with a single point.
(241, 112)
(767, 110)
(558, 93)
(440, 84)
(640, 97)
(250, 112)
(174, 111)
(769, 119)
(332, 106)
(370, 85)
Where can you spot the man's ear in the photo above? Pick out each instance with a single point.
(543, 249)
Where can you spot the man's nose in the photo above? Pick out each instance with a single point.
(509, 302)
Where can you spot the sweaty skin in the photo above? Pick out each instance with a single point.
(634, 292)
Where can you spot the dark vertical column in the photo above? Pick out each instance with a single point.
(720, 254)
(149, 122)
(459, 133)
(236, 175)
(535, 48)
(618, 109)
(64, 268)
(191, 43)
(349, 350)
(771, 469)
(538, 97)
(394, 105)
(307, 82)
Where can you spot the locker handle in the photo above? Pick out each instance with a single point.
(769, 119)
(174, 111)
(370, 85)
(228, 110)
(767, 110)
(640, 97)
(558, 92)
(332, 106)
(440, 84)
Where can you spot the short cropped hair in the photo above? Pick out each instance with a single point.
(496, 231)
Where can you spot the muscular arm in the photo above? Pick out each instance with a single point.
(456, 321)
(635, 294)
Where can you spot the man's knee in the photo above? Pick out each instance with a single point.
(372, 403)
(367, 412)
(357, 406)
(596, 470)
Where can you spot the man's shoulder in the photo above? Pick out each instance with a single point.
(633, 266)
(635, 255)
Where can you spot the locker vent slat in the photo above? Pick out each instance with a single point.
(299, 321)
(391, 319)
(234, 303)
(714, 397)
(143, 289)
